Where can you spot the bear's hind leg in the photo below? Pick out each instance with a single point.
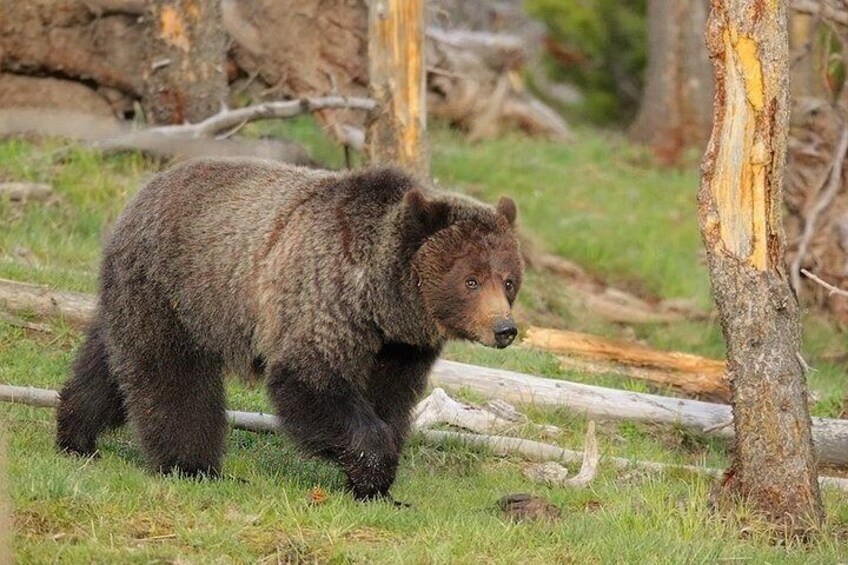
(90, 401)
(176, 404)
(174, 391)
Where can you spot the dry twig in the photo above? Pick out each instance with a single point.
(833, 185)
(228, 119)
(831, 289)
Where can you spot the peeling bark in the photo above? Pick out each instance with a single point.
(397, 134)
(773, 466)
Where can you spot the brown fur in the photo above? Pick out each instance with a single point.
(344, 286)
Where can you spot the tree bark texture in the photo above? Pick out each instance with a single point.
(676, 110)
(740, 199)
(184, 76)
(397, 133)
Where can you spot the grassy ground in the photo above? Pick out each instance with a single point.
(599, 202)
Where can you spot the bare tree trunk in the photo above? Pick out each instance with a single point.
(740, 200)
(806, 52)
(677, 101)
(397, 134)
(185, 78)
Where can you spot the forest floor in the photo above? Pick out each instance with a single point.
(598, 201)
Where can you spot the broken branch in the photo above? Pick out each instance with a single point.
(599, 403)
(500, 445)
(832, 289)
(834, 183)
(227, 119)
(690, 373)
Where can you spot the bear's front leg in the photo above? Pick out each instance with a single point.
(397, 381)
(329, 416)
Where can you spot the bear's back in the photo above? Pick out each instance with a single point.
(196, 231)
(236, 245)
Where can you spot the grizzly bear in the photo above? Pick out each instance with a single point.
(340, 287)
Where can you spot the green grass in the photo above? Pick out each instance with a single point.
(598, 201)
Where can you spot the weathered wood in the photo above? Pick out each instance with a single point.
(831, 436)
(74, 307)
(227, 119)
(500, 445)
(396, 69)
(25, 191)
(556, 475)
(692, 374)
(184, 71)
(439, 408)
(773, 465)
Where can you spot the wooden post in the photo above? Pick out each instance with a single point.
(397, 133)
(740, 200)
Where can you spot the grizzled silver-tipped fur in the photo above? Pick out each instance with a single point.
(341, 287)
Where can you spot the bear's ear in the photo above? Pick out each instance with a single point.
(506, 208)
(426, 216)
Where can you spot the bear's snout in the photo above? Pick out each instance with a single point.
(505, 332)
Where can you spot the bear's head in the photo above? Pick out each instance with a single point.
(468, 265)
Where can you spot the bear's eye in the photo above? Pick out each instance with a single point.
(471, 282)
(509, 285)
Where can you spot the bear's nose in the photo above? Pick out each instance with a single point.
(505, 332)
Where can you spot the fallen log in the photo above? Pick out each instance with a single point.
(75, 308)
(594, 402)
(25, 191)
(186, 141)
(499, 445)
(689, 373)
(599, 403)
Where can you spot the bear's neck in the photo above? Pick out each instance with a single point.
(397, 304)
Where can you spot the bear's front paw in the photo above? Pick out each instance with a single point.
(370, 462)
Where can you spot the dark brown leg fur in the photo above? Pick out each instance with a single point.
(336, 421)
(90, 402)
(397, 381)
(174, 390)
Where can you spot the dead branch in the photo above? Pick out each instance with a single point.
(500, 445)
(25, 191)
(831, 289)
(228, 119)
(599, 403)
(690, 373)
(439, 408)
(830, 435)
(834, 183)
(553, 473)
